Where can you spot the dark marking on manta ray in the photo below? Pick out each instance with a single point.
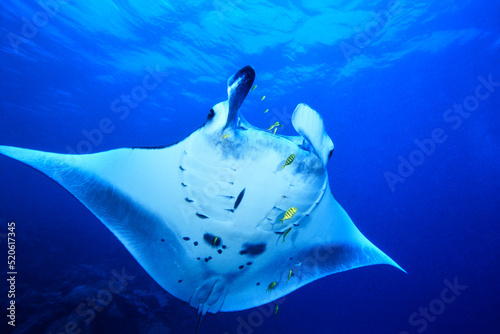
(211, 114)
(162, 240)
(279, 232)
(183, 184)
(188, 200)
(208, 259)
(258, 283)
(294, 224)
(223, 246)
(219, 251)
(201, 216)
(291, 258)
(187, 238)
(249, 263)
(241, 267)
(181, 168)
(240, 197)
(179, 281)
(198, 258)
(195, 243)
(231, 183)
(227, 196)
(230, 210)
(253, 249)
(210, 239)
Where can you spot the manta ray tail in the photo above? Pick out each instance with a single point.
(199, 323)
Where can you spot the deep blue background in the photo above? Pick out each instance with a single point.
(440, 223)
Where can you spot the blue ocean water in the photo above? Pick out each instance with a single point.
(410, 94)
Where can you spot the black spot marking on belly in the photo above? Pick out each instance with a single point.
(249, 263)
(223, 246)
(186, 238)
(241, 267)
(201, 216)
(258, 283)
(183, 184)
(219, 251)
(226, 196)
(162, 240)
(182, 168)
(198, 258)
(179, 281)
(188, 200)
(210, 239)
(195, 243)
(230, 210)
(239, 198)
(253, 249)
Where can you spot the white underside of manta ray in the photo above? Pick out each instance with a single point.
(203, 216)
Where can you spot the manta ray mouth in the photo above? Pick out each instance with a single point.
(306, 121)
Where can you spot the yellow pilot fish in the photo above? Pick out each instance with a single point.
(272, 286)
(286, 232)
(289, 160)
(289, 214)
(272, 126)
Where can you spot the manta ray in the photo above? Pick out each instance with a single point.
(207, 217)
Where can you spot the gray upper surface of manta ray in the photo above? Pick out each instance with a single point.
(204, 216)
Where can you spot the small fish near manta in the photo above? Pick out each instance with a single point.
(201, 216)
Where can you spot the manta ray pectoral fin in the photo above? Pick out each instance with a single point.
(329, 243)
(309, 124)
(126, 190)
(339, 247)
